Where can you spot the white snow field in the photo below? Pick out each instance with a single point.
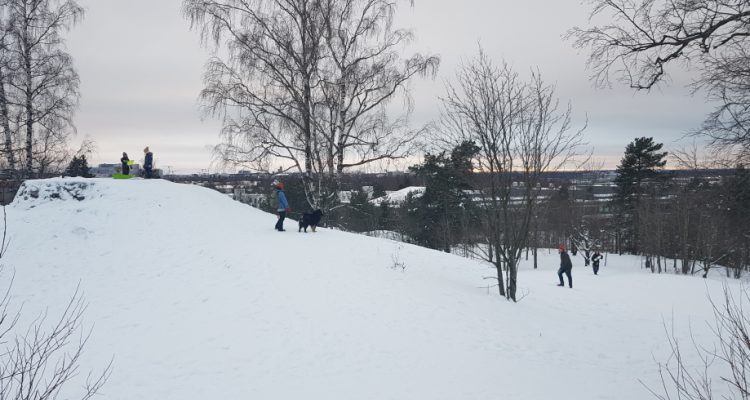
(195, 296)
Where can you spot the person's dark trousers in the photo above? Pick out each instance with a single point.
(148, 173)
(280, 222)
(596, 267)
(566, 272)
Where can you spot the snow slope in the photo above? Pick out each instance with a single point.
(195, 296)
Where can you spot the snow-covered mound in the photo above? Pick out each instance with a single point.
(195, 296)
(399, 196)
(34, 193)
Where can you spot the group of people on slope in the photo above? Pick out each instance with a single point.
(566, 265)
(148, 163)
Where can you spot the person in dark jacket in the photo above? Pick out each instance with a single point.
(586, 257)
(283, 205)
(595, 260)
(148, 162)
(125, 163)
(566, 266)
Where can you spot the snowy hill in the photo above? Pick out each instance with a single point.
(195, 296)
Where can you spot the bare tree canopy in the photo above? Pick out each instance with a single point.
(39, 88)
(521, 131)
(709, 36)
(306, 83)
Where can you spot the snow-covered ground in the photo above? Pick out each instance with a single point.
(399, 197)
(195, 296)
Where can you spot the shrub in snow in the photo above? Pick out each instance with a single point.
(41, 362)
(730, 359)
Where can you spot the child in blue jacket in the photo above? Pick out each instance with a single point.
(283, 206)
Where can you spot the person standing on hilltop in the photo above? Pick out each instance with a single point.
(283, 204)
(148, 162)
(566, 267)
(125, 163)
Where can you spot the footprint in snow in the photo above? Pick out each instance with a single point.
(82, 232)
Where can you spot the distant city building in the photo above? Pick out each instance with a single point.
(104, 170)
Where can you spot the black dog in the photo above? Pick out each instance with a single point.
(310, 219)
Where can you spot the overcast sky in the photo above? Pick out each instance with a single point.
(141, 70)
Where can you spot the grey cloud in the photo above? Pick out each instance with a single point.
(141, 70)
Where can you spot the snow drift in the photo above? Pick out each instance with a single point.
(195, 296)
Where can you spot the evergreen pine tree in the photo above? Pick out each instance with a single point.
(560, 214)
(360, 218)
(638, 168)
(385, 216)
(79, 166)
(444, 200)
(377, 190)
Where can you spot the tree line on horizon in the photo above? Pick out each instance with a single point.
(686, 222)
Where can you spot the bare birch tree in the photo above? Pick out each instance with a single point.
(44, 84)
(264, 88)
(522, 131)
(361, 76)
(305, 83)
(9, 139)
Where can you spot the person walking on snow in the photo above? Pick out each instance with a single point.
(595, 259)
(566, 266)
(148, 162)
(283, 205)
(586, 257)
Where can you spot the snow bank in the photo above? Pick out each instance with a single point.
(34, 193)
(399, 196)
(195, 296)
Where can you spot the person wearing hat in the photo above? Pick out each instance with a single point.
(148, 162)
(566, 266)
(283, 204)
